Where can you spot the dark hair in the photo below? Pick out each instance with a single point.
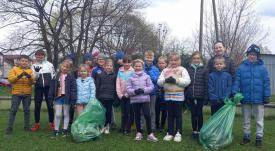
(24, 57)
(40, 52)
(127, 58)
(219, 41)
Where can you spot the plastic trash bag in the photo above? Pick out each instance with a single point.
(217, 131)
(89, 123)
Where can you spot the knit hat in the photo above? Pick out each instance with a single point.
(40, 52)
(95, 53)
(87, 57)
(253, 48)
(119, 55)
(71, 56)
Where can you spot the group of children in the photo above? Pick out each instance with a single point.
(145, 92)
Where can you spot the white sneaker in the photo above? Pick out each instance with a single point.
(138, 136)
(168, 137)
(102, 130)
(177, 137)
(107, 130)
(152, 138)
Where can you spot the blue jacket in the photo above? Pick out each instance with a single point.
(85, 90)
(153, 72)
(97, 70)
(253, 82)
(219, 86)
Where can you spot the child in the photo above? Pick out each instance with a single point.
(85, 88)
(219, 85)
(139, 87)
(174, 79)
(63, 93)
(106, 91)
(220, 52)
(44, 72)
(153, 72)
(253, 82)
(124, 73)
(88, 60)
(119, 60)
(160, 102)
(196, 92)
(21, 79)
(99, 65)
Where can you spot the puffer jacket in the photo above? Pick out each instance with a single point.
(198, 88)
(70, 88)
(140, 81)
(230, 66)
(45, 74)
(23, 85)
(153, 72)
(106, 86)
(253, 82)
(85, 90)
(219, 86)
(121, 81)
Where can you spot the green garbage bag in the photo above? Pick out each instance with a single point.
(217, 131)
(89, 123)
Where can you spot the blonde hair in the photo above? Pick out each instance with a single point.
(219, 58)
(109, 61)
(162, 58)
(65, 63)
(176, 56)
(83, 66)
(149, 53)
(138, 61)
(194, 54)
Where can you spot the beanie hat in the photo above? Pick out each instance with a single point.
(119, 55)
(253, 48)
(87, 57)
(40, 52)
(71, 56)
(95, 53)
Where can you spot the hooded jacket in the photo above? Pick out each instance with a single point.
(45, 74)
(121, 81)
(85, 90)
(252, 81)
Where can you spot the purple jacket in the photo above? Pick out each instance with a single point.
(143, 81)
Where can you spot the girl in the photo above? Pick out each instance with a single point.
(63, 92)
(124, 73)
(139, 87)
(174, 78)
(85, 88)
(106, 91)
(196, 92)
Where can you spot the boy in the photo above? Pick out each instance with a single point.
(219, 85)
(153, 72)
(44, 72)
(21, 79)
(160, 102)
(253, 82)
(99, 65)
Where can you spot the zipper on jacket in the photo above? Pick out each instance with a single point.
(194, 82)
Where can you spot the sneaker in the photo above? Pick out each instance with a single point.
(102, 130)
(152, 138)
(51, 126)
(177, 137)
(107, 130)
(65, 133)
(55, 134)
(195, 135)
(8, 131)
(138, 136)
(36, 127)
(168, 137)
(245, 141)
(259, 143)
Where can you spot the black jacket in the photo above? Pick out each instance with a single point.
(199, 83)
(230, 66)
(106, 86)
(70, 88)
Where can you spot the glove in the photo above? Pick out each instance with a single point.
(139, 91)
(27, 75)
(170, 80)
(123, 97)
(266, 100)
(37, 68)
(21, 75)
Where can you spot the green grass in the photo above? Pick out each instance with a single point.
(40, 141)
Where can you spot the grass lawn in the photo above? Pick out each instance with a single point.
(40, 141)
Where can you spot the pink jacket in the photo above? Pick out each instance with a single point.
(121, 81)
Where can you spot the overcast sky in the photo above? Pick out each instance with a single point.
(182, 16)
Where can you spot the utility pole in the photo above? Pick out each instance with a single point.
(201, 27)
(215, 20)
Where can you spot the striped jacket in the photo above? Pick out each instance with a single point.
(23, 85)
